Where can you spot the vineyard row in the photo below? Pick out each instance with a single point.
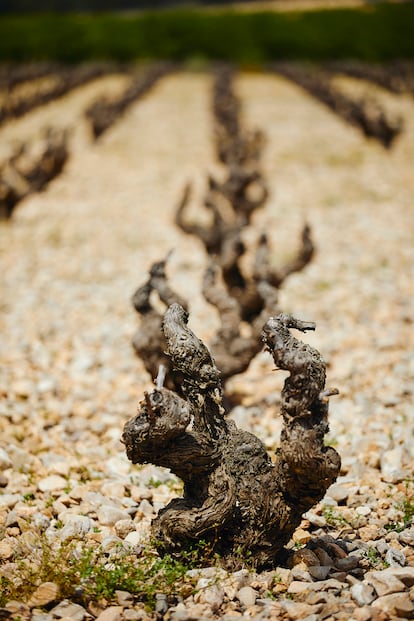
(23, 174)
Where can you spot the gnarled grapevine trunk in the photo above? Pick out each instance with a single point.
(25, 173)
(235, 497)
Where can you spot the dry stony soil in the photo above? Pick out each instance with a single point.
(70, 260)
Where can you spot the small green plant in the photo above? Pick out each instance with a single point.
(85, 474)
(68, 487)
(374, 558)
(173, 484)
(270, 595)
(88, 573)
(142, 577)
(406, 507)
(334, 518)
(245, 559)
(49, 501)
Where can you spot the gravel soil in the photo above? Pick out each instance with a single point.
(72, 257)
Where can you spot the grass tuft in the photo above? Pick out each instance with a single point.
(84, 573)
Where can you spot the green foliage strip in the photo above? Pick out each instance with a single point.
(377, 32)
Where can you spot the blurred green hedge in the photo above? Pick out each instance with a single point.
(376, 32)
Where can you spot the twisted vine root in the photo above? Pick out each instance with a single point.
(235, 497)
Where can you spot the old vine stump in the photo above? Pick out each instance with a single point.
(235, 497)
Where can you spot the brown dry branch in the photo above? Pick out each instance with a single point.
(210, 235)
(66, 79)
(243, 301)
(226, 110)
(13, 74)
(235, 497)
(24, 174)
(234, 147)
(233, 351)
(230, 349)
(51, 162)
(264, 271)
(232, 203)
(243, 304)
(365, 113)
(231, 209)
(149, 342)
(248, 291)
(245, 191)
(396, 76)
(105, 112)
(221, 238)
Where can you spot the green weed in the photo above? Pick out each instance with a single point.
(406, 508)
(87, 574)
(270, 595)
(334, 518)
(29, 497)
(374, 558)
(173, 484)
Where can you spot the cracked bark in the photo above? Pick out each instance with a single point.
(235, 497)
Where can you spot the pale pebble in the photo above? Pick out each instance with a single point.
(5, 461)
(67, 609)
(124, 527)
(247, 596)
(113, 613)
(108, 515)
(362, 593)
(52, 483)
(398, 604)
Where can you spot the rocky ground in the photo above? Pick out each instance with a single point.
(71, 259)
